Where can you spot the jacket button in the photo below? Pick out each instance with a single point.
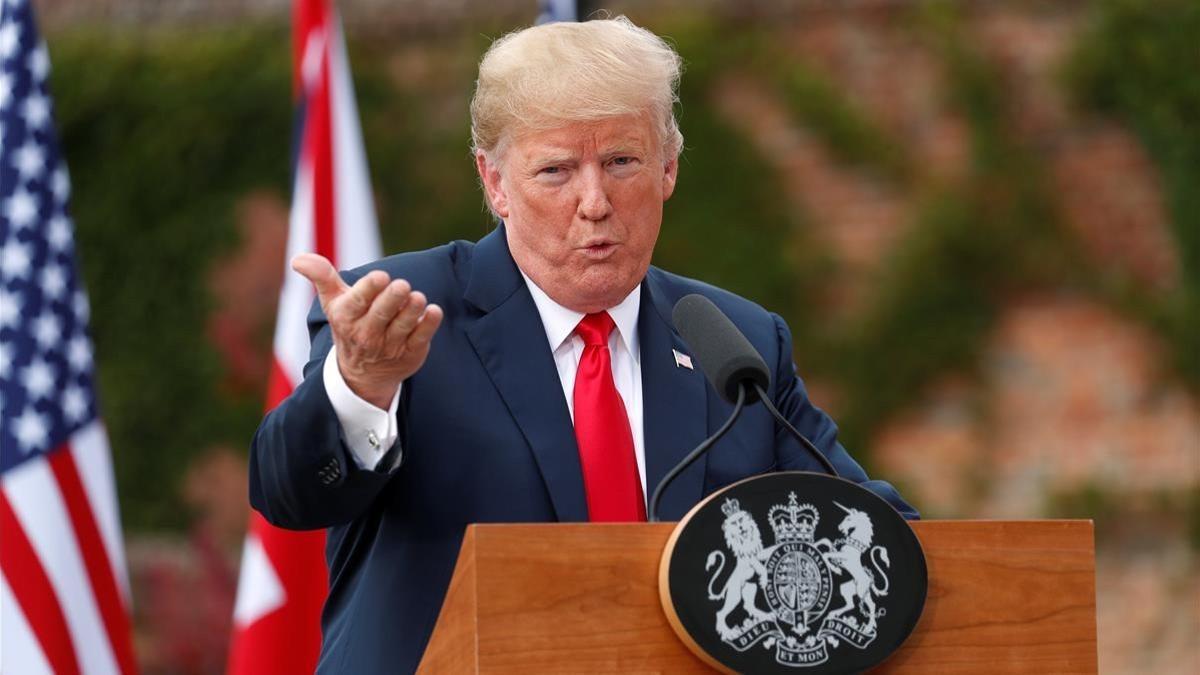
(329, 473)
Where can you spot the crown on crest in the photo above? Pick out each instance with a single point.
(794, 522)
(730, 507)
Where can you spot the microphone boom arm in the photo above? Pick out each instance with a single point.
(695, 454)
(808, 445)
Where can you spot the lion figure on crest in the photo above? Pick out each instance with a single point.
(745, 541)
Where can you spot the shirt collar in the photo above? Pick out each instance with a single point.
(560, 322)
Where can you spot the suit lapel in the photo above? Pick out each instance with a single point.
(674, 409)
(511, 343)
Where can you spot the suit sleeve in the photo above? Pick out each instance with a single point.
(302, 474)
(792, 400)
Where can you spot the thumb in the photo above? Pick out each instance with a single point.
(322, 274)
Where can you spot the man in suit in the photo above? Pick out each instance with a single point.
(532, 376)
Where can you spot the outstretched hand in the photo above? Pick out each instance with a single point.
(381, 327)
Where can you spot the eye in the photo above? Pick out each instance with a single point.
(552, 174)
(623, 164)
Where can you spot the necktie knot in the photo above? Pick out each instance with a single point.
(594, 329)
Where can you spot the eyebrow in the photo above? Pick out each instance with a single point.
(552, 158)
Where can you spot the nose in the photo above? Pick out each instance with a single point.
(593, 197)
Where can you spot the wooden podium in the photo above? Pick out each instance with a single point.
(1004, 597)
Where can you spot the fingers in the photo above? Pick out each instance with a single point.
(387, 304)
(322, 274)
(406, 319)
(374, 307)
(358, 299)
(420, 336)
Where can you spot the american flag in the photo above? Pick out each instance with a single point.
(64, 593)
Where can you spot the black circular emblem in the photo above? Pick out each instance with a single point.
(793, 572)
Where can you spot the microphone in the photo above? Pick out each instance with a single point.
(724, 354)
(735, 369)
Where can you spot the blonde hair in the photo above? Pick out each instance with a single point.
(544, 76)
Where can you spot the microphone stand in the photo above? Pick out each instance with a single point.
(695, 454)
(738, 406)
(808, 445)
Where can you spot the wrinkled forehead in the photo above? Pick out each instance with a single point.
(577, 139)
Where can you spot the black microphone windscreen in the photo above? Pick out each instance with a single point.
(724, 354)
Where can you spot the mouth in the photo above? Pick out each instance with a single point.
(599, 249)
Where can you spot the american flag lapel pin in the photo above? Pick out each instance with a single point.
(682, 360)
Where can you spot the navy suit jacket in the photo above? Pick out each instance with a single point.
(486, 436)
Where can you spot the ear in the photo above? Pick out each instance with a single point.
(489, 175)
(670, 173)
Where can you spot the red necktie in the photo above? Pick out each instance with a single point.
(610, 472)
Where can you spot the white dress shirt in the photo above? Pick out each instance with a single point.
(370, 432)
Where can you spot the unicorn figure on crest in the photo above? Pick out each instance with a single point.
(846, 555)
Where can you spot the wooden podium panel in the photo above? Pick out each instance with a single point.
(1004, 597)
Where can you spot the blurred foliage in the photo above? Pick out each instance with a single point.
(816, 103)
(726, 222)
(1138, 63)
(974, 243)
(1149, 518)
(166, 129)
(162, 132)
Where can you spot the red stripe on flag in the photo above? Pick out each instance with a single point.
(288, 640)
(320, 137)
(95, 558)
(307, 16)
(34, 594)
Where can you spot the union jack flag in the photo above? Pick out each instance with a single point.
(64, 591)
(283, 581)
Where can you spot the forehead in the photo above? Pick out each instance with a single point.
(627, 132)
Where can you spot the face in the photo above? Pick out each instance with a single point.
(582, 205)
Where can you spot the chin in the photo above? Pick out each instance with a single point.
(603, 294)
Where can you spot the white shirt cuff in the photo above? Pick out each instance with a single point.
(368, 431)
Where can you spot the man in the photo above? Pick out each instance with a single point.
(532, 376)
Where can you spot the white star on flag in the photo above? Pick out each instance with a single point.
(31, 430)
(79, 353)
(14, 260)
(37, 111)
(29, 160)
(46, 330)
(10, 309)
(6, 90)
(74, 404)
(79, 305)
(54, 281)
(59, 232)
(38, 378)
(10, 38)
(39, 62)
(21, 209)
(61, 185)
